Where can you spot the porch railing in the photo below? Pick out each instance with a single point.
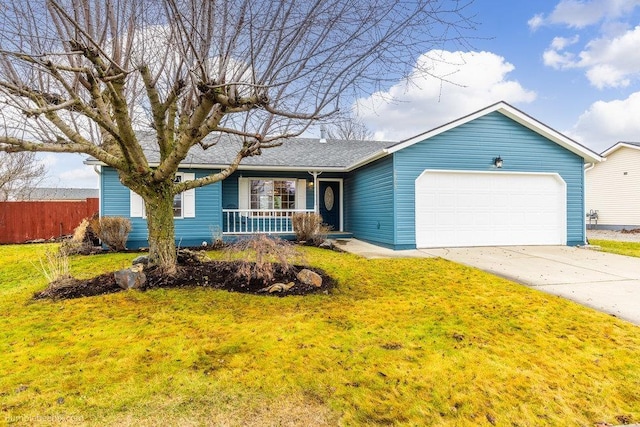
(256, 221)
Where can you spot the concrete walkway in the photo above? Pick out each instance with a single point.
(606, 282)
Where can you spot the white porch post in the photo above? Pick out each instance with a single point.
(315, 175)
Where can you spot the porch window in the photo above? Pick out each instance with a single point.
(272, 194)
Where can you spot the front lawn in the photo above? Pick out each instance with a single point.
(618, 247)
(399, 341)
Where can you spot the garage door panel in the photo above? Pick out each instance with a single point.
(461, 208)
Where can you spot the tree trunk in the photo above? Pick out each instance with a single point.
(162, 245)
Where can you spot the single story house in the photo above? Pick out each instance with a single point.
(57, 194)
(613, 188)
(494, 177)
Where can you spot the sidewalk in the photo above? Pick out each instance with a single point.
(370, 251)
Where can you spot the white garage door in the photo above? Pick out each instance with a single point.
(460, 208)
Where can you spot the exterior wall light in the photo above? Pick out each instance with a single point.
(497, 162)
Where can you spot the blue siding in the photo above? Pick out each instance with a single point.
(369, 202)
(473, 146)
(115, 201)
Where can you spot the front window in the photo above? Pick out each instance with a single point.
(272, 194)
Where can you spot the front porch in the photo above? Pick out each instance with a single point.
(239, 222)
(259, 221)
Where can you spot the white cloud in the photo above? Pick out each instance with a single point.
(536, 21)
(68, 171)
(472, 80)
(558, 60)
(608, 61)
(580, 13)
(560, 43)
(605, 123)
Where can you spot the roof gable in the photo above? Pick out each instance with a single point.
(619, 145)
(515, 115)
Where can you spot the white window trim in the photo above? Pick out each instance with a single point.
(244, 191)
(137, 208)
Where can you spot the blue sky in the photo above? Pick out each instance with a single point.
(574, 65)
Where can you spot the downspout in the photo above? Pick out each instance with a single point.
(584, 200)
(97, 169)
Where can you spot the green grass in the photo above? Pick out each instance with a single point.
(400, 341)
(618, 247)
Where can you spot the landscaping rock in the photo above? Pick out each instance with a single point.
(326, 244)
(308, 277)
(131, 278)
(278, 287)
(142, 259)
(189, 257)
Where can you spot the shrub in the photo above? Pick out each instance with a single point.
(113, 231)
(309, 227)
(55, 266)
(259, 255)
(217, 241)
(82, 241)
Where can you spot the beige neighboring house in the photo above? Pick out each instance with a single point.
(613, 188)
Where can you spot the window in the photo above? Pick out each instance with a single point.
(272, 194)
(184, 204)
(177, 199)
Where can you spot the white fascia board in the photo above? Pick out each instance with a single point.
(540, 128)
(516, 115)
(372, 158)
(242, 167)
(617, 146)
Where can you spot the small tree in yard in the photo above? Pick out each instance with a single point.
(83, 76)
(18, 173)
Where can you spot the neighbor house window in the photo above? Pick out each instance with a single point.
(272, 194)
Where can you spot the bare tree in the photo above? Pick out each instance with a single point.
(18, 173)
(349, 129)
(84, 75)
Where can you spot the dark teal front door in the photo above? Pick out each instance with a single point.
(329, 201)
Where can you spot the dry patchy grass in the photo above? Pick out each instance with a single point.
(401, 341)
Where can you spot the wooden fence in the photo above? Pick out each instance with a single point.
(28, 220)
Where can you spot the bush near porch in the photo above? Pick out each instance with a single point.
(399, 341)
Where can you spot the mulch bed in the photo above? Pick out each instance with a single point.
(209, 274)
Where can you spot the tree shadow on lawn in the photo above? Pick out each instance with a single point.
(222, 275)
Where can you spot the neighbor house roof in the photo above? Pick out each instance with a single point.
(338, 155)
(47, 193)
(620, 144)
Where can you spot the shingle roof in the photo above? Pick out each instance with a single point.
(311, 154)
(46, 193)
(306, 153)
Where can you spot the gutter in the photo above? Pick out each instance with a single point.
(372, 158)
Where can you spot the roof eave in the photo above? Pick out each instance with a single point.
(516, 115)
(272, 168)
(366, 160)
(617, 146)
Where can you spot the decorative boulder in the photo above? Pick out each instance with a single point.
(309, 277)
(131, 278)
(326, 244)
(142, 259)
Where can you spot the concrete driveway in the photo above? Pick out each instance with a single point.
(606, 282)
